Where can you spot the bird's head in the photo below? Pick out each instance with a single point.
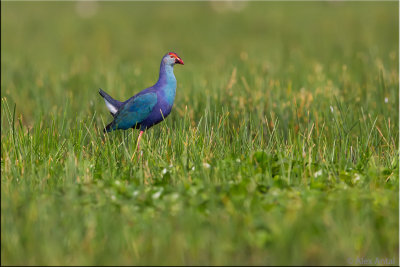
(172, 58)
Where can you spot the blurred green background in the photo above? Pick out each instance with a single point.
(282, 146)
(67, 50)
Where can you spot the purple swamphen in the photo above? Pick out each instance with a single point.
(148, 107)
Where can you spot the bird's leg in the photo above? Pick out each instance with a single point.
(138, 141)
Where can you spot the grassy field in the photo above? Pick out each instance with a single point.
(282, 146)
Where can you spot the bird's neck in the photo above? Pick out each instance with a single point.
(167, 81)
(166, 74)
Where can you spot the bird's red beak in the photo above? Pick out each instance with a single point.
(178, 60)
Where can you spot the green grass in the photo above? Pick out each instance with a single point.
(280, 149)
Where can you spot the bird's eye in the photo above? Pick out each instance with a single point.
(171, 56)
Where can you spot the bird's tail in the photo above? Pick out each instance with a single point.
(105, 95)
(112, 104)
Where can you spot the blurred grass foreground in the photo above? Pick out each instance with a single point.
(281, 148)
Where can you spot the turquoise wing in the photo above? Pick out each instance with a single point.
(134, 111)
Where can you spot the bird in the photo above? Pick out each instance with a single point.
(148, 107)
